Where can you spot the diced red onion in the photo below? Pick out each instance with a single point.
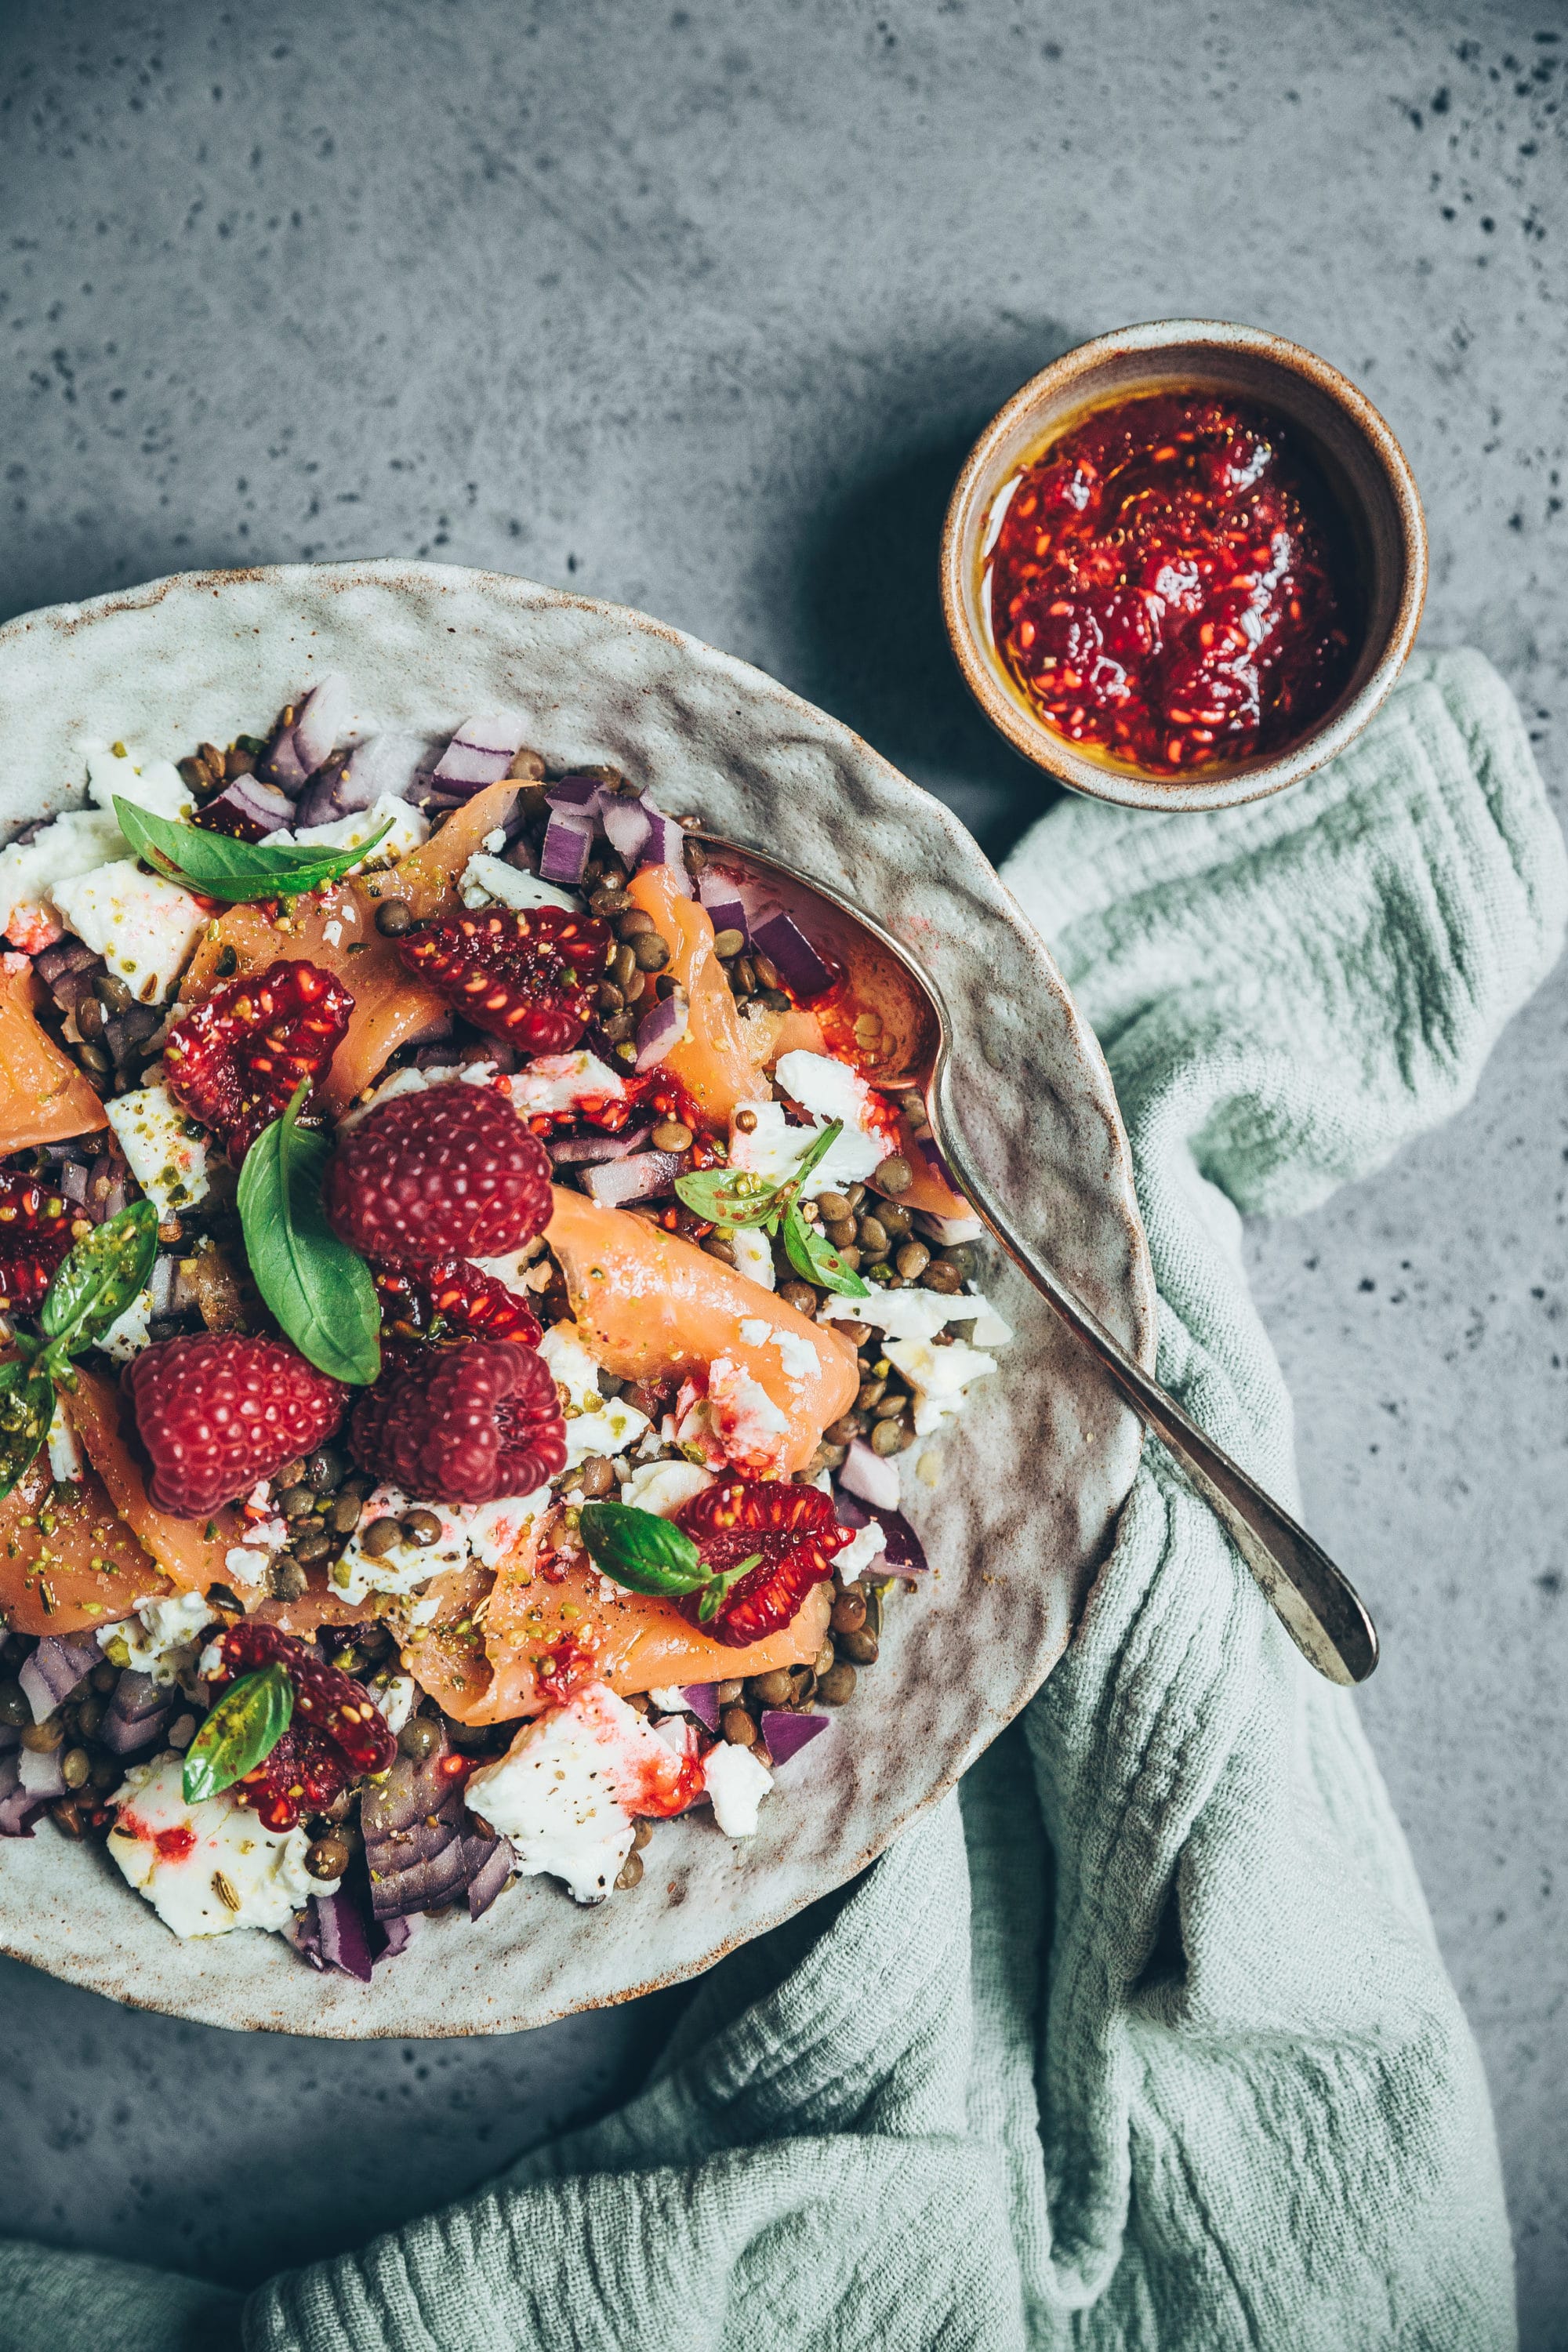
(870, 1476)
(626, 826)
(949, 1231)
(927, 1148)
(41, 1774)
(902, 1548)
(390, 1936)
(780, 938)
(661, 1030)
(19, 1808)
(480, 753)
(726, 907)
(665, 846)
(340, 1935)
(383, 766)
(70, 955)
(703, 1698)
(136, 1714)
(248, 809)
(73, 1182)
(584, 793)
(489, 1878)
(305, 1936)
(324, 715)
(416, 1845)
(643, 1177)
(59, 1663)
(583, 1150)
(784, 1733)
(567, 841)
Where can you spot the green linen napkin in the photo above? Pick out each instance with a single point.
(1142, 2039)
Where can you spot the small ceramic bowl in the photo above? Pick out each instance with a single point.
(1367, 475)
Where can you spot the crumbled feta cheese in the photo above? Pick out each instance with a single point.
(567, 1790)
(156, 1637)
(155, 785)
(754, 1255)
(798, 1355)
(486, 879)
(594, 1425)
(743, 1417)
(939, 1375)
(867, 1544)
(559, 1081)
(333, 933)
(663, 1487)
(66, 1459)
(129, 1332)
(916, 1314)
(410, 829)
(737, 1783)
(830, 1089)
(76, 844)
(208, 1867)
(247, 1561)
(754, 1332)
(166, 1149)
(669, 1700)
(494, 842)
(486, 1532)
(145, 929)
(393, 1697)
(771, 1149)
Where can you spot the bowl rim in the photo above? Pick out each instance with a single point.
(1247, 780)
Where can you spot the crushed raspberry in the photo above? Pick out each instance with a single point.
(477, 1422)
(795, 1530)
(519, 974)
(336, 1735)
(34, 1235)
(450, 1299)
(451, 1172)
(218, 1412)
(236, 1060)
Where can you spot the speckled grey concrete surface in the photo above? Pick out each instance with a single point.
(699, 306)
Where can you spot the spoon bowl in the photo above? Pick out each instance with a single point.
(1315, 1601)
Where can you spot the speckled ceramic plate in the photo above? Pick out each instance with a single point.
(1045, 1454)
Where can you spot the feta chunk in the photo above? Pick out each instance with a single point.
(145, 929)
(410, 830)
(76, 844)
(208, 1867)
(743, 1417)
(916, 1314)
(166, 1149)
(410, 1081)
(487, 1532)
(737, 1783)
(939, 1375)
(155, 785)
(867, 1544)
(595, 1424)
(66, 1459)
(754, 1255)
(393, 1697)
(771, 1148)
(663, 1487)
(830, 1089)
(559, 1081)
(131, 1331)
(671, 1699)
(155, 1638)
(487, 880)
(567, 1791)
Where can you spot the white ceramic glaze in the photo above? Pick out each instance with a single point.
(1045, 1454)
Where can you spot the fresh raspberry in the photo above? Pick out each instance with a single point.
(450, 1299)
(336, 1735)
(795, 1530)
(522, 975)
(451, 1172)
(215, 1413)
(481, 1421)
(236, 1060)
(34, 1235)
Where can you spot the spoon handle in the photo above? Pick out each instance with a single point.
(1319, 1607)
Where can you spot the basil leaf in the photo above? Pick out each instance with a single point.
(817, 1260)
(728, 1196)
(240, 1733)
(320, 1290)
(237, 870)
(27, 1408)
(825, 1142)
(99, 1276)
(720, 1588)
(639, 1549)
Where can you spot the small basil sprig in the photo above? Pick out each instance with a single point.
(649, 1554)
(732, 1197)
(220, 867)
(92, 1286)
(240, 1733)
(320, 1290)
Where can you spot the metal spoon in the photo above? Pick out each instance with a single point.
(1319, 1607)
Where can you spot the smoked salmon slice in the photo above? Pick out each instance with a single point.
(44, 1098)
(650, 1305)
(192, 1553)
(69, 1563)
(711, 1061)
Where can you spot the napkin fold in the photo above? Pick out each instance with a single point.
(1141, 2039)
